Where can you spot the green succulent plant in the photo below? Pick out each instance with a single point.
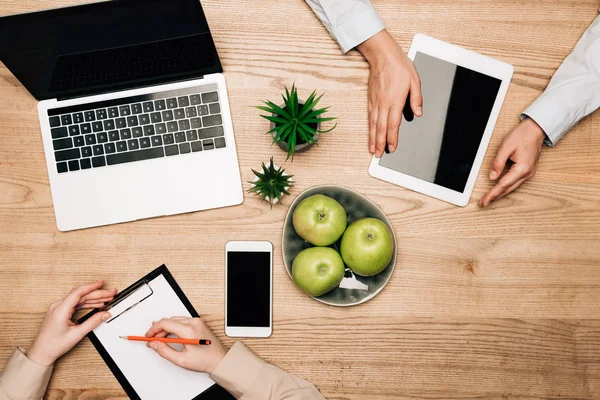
(295, 123)
(271, 184)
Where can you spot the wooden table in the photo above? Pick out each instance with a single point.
(495, 303)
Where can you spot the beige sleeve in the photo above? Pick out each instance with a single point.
(247, 377)
(23, 379)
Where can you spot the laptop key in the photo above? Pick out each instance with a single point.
(212, 120)
(146, 154)
(65, 155)
(196, 146)
(125, 134)
(121, 146)
(215, 131)
(98, 162)
(172, 126)
(157, 141)
(172, 103)
(136, 108)
(74, 130)
(203, 110)
(137, 132)
(89, 116)
(86, 151)
(109, 125)
(124, 111)
(90, 139)
(220, 143)
(210, 97)
(54, 122)
(101, 114)
(196, 123)
(120, 123)
(214, 108)
(184, 148)
(208, 145)
(113, 136)
(132, 121)
(78, 118)
(133, 144)
(113, 112)
(144, 119)
(62, 167)
(144, 142)
(149, 130)
(73, 165)
(191, 135)
(78, 141)
(66, 119)
(180, 137)
(195, 99)
(168, 139)
(97, 126)
(160, 105)
(102, 137)
(110, 148)
(148, 106)
(85, 128)
(172, 150)
(155, 118)
(184, 125)
(58, 133)
(190, 112)
(167, 115)
(61, 144)
(85, 163)
(161, 128)
(98, 150)
(179, 113)
(183, 101)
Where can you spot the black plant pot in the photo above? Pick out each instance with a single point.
(301, 145)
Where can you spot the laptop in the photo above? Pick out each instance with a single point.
(133, 109)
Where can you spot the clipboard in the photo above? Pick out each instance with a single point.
(130, 307)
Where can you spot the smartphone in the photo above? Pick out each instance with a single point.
(248, 289)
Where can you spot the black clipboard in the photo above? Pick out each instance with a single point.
(215, 392)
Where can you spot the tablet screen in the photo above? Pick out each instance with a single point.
(440, 147)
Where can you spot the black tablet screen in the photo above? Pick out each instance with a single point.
(440, 147)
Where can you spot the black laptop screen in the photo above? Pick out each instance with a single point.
(107, 46)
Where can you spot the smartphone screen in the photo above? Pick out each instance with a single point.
(248, 289)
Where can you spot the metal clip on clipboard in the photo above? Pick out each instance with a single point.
(128, 300)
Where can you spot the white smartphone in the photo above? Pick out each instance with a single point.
(248, 289)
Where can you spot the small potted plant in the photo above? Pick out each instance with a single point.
(271, 184)
(295, 125)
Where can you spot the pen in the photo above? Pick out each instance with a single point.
(166, 340)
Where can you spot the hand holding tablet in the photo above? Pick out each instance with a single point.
(440, 154)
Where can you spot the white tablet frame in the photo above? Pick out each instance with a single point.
(473, 61)
(249, 331)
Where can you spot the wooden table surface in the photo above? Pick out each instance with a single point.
(495, 303)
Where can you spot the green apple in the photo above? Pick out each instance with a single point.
(367, 246)
(320, 220)
(318, 270)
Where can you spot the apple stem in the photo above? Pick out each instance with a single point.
(370, 236)
(321, 216)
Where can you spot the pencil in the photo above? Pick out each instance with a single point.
(167, 340)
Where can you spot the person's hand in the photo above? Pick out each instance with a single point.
(200, 358)
(523, 147)
(58, 333)
(393, 76)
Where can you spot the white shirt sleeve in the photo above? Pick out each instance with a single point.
(573, 92)
(350, 22)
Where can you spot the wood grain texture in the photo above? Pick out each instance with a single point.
(496, 304)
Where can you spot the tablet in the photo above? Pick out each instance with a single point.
(440, 154)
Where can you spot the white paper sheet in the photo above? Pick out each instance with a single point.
(152, 377)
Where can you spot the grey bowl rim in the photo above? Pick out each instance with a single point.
(387, 221)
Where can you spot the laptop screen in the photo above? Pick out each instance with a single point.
(107, 46)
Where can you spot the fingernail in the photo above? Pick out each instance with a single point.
(493, 174)
(106, 317)
(419, 111)
(372, 149)
(154, 345)
(392, 149)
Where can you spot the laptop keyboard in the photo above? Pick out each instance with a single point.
(164, 124)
